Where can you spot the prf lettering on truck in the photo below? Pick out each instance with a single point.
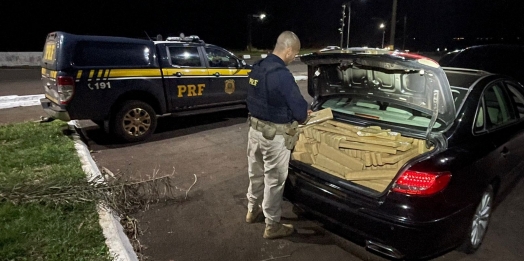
(191, 90)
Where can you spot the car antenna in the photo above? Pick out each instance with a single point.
(148, 36)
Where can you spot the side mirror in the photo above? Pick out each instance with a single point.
(241, 64)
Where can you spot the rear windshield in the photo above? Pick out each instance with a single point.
(101, 54)
(377, 110)
(380, 111)
(406, 88)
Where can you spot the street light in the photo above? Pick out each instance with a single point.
(261, 16)
(383, 27)
(341, 29)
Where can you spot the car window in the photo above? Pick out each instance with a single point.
(92, 53)
(518, 99)
(374, 109)
(496, 108)
(219, 58)
(184, 56)
(479, 123)
(459, 94)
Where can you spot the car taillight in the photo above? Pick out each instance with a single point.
(421, 183)
(66, 88)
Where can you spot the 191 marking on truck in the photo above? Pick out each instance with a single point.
(99, 85)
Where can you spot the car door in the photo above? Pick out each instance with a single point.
(187, 77)
(515, 143)
(229, 78)
(497, 120)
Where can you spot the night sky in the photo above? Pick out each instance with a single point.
(430, 24)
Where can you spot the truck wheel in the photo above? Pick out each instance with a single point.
(134, 121)
(479, 223)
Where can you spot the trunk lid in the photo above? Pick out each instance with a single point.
(403, 81)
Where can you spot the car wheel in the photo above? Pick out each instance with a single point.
(134, 121)
(479, 223)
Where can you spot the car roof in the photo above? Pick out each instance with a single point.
(503, 59)
(81, 37)
(465, 78)
(190, 44)
(510, 48)
(496, 46)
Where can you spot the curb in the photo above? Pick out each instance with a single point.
(300, 77)
(11, 101)
(118, 243)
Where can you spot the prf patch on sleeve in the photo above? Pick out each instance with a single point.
(253, 81)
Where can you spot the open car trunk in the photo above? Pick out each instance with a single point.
(369, 156)
(374, 88)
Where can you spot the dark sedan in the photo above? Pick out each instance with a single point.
(415, 154)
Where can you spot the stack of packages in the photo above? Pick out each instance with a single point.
(369, 156)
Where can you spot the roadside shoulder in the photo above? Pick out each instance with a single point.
(118, 243)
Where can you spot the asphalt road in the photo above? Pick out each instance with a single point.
(206, 154)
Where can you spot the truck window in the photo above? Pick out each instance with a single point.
(184, 56)
(219, 58)
(111, 54)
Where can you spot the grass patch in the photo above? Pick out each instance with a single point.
(35, 155)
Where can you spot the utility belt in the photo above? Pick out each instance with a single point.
(269, 130)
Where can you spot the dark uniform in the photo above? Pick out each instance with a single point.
(274, 102)
(273, 94)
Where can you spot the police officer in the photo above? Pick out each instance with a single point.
(274, 103)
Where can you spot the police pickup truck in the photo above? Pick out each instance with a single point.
(125, 84)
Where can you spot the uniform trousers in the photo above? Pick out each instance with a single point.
(268, 162)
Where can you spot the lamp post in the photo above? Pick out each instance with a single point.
(383, 27)
(349, 20)
(249, 22)
(341, 29)
(404, 33)
(342, 21)
(393, 23)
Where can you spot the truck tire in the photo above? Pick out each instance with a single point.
(134, 121)
(479, 223)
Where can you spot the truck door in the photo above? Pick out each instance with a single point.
(187, 77)
(228, 77)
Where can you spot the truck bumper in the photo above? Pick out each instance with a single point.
(54, 110)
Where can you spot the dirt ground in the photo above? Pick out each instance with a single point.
(21, 114)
